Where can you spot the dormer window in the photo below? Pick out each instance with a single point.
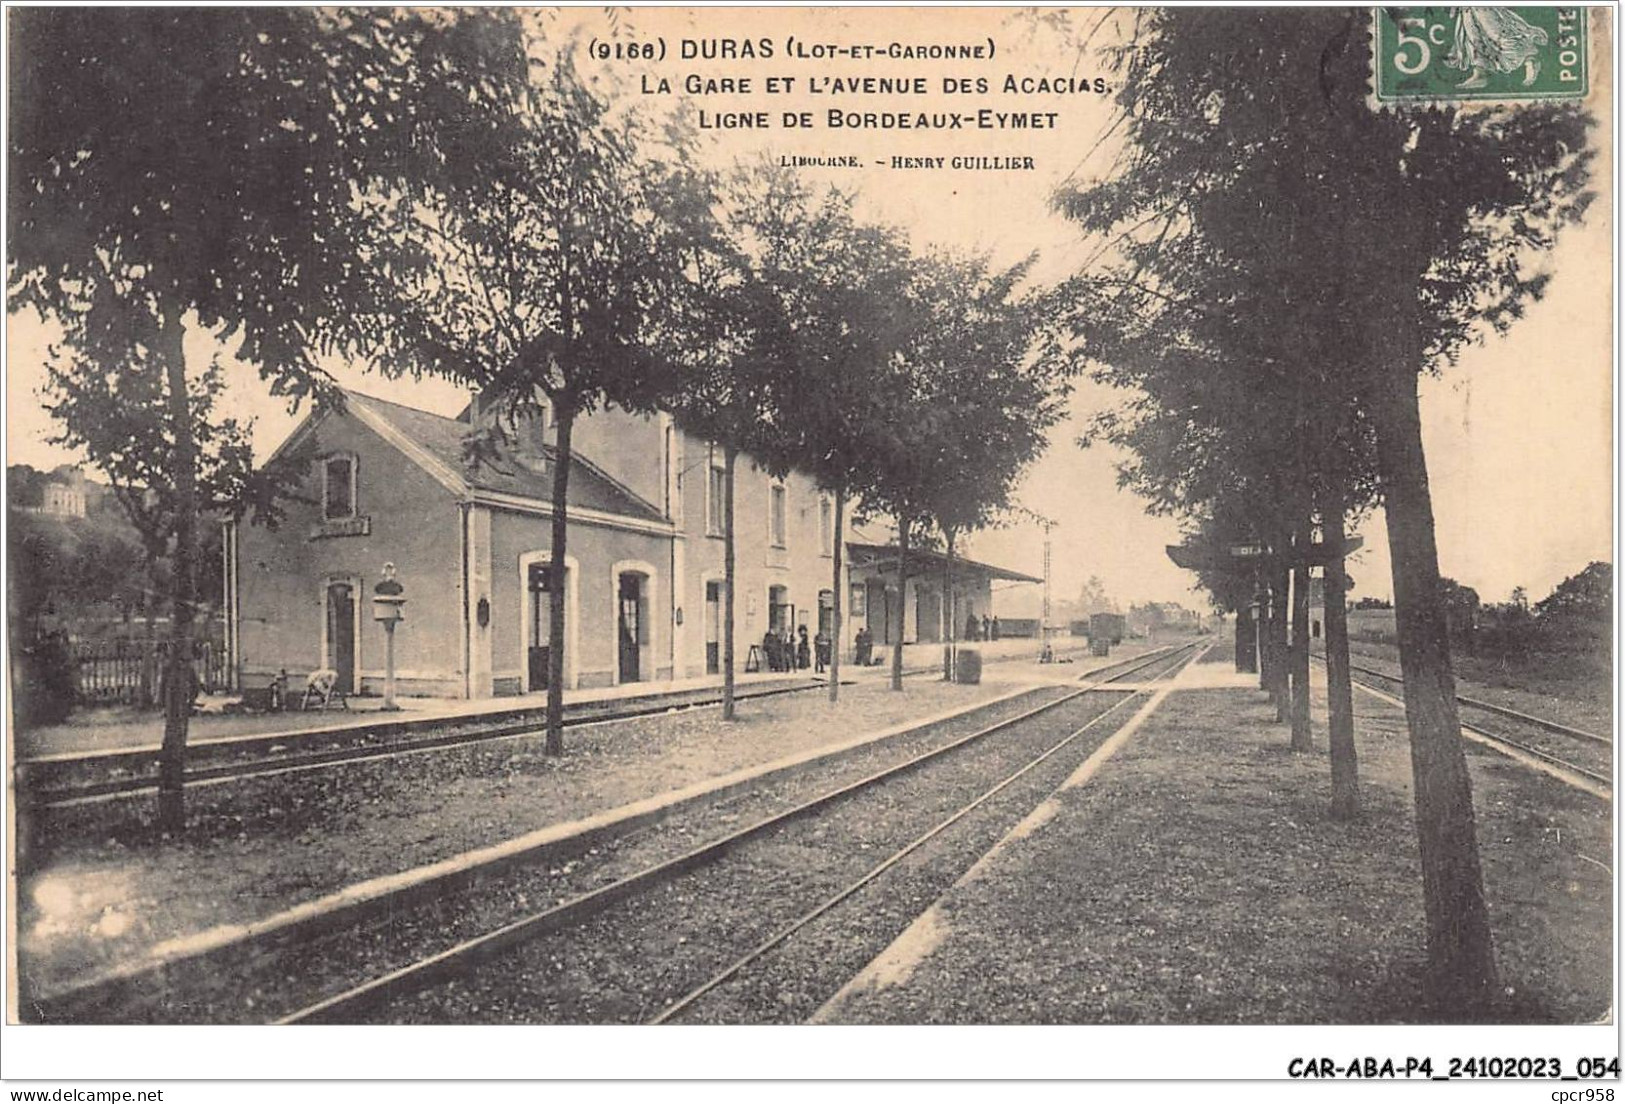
(339, 487)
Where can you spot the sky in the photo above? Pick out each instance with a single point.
(1518, 434)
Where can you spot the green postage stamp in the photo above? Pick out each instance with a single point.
(1462, 55)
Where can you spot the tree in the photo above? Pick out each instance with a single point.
(524, 261)
(732, 339)
(167, 164)
(1092, 598)
(993, 374)
(839, 286)
(1586, 596)
(1419, 224)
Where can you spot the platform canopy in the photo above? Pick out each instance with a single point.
(884, 557)
(1245, 557)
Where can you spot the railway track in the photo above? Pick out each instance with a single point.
(79, 778)
(62, 781)
(1583, 759)
(258, 971)
(751, 891)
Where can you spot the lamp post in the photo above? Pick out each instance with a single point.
(389, 610)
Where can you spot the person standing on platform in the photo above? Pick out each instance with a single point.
(803, 649)
(995, 634)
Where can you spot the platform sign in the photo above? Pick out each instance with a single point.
(1246, 557)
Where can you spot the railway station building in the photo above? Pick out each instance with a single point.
(469, 534)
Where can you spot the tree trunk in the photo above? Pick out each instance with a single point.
(1339, 687)
(1302, 736)
(1280, 691)
(183, 593)
(836, 607)
(730, 458)
(556, 577)
(151, 663)
(948, 610)
(1261, 648)
(902, 605)
(1461, 957)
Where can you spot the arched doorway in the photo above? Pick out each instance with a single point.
(632, 585)
(543, 588)
(540, 588)
(341, 630)
(630, 626)
(713, 626)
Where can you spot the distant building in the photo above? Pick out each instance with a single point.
(63, 492)
(642, 577)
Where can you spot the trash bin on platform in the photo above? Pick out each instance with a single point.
(968, 666)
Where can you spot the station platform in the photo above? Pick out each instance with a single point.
(124, 728)
(1190, 873)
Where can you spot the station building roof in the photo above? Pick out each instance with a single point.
(885, 556)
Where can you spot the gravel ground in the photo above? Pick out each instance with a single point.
(1567, 693)
(1582, 752)
(626, 964)
(263, 844)
(1197, 879)
(261, 981)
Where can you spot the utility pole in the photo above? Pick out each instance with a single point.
(1045, 655)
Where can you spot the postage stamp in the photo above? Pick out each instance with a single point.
(1467, 55)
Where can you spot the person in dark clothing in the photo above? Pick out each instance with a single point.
(863, 644)
(971, 626)
(987, 627)
(995, 635)
(770, 651)
(820, 652)
(803, 649)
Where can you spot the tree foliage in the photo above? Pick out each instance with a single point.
(1585, 596)
(167, 164)
(1283, 264)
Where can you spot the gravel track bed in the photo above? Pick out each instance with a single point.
(792, 981)
(1581, 752)
(337, 751)
(269, 980)
(625, 964)
(1568, 689)
(260, 845)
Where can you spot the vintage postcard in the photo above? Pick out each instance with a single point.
(1097, 518)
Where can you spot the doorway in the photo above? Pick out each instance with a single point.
(341, 632)
(543, 590)
(713, 627)
(878, 604)
(631, 626)
(927, 615)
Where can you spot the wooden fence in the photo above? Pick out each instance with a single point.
(130, 671)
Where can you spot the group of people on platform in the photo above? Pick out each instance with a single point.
(985, 629)
(784, 652)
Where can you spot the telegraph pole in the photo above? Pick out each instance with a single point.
(1045, 655)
